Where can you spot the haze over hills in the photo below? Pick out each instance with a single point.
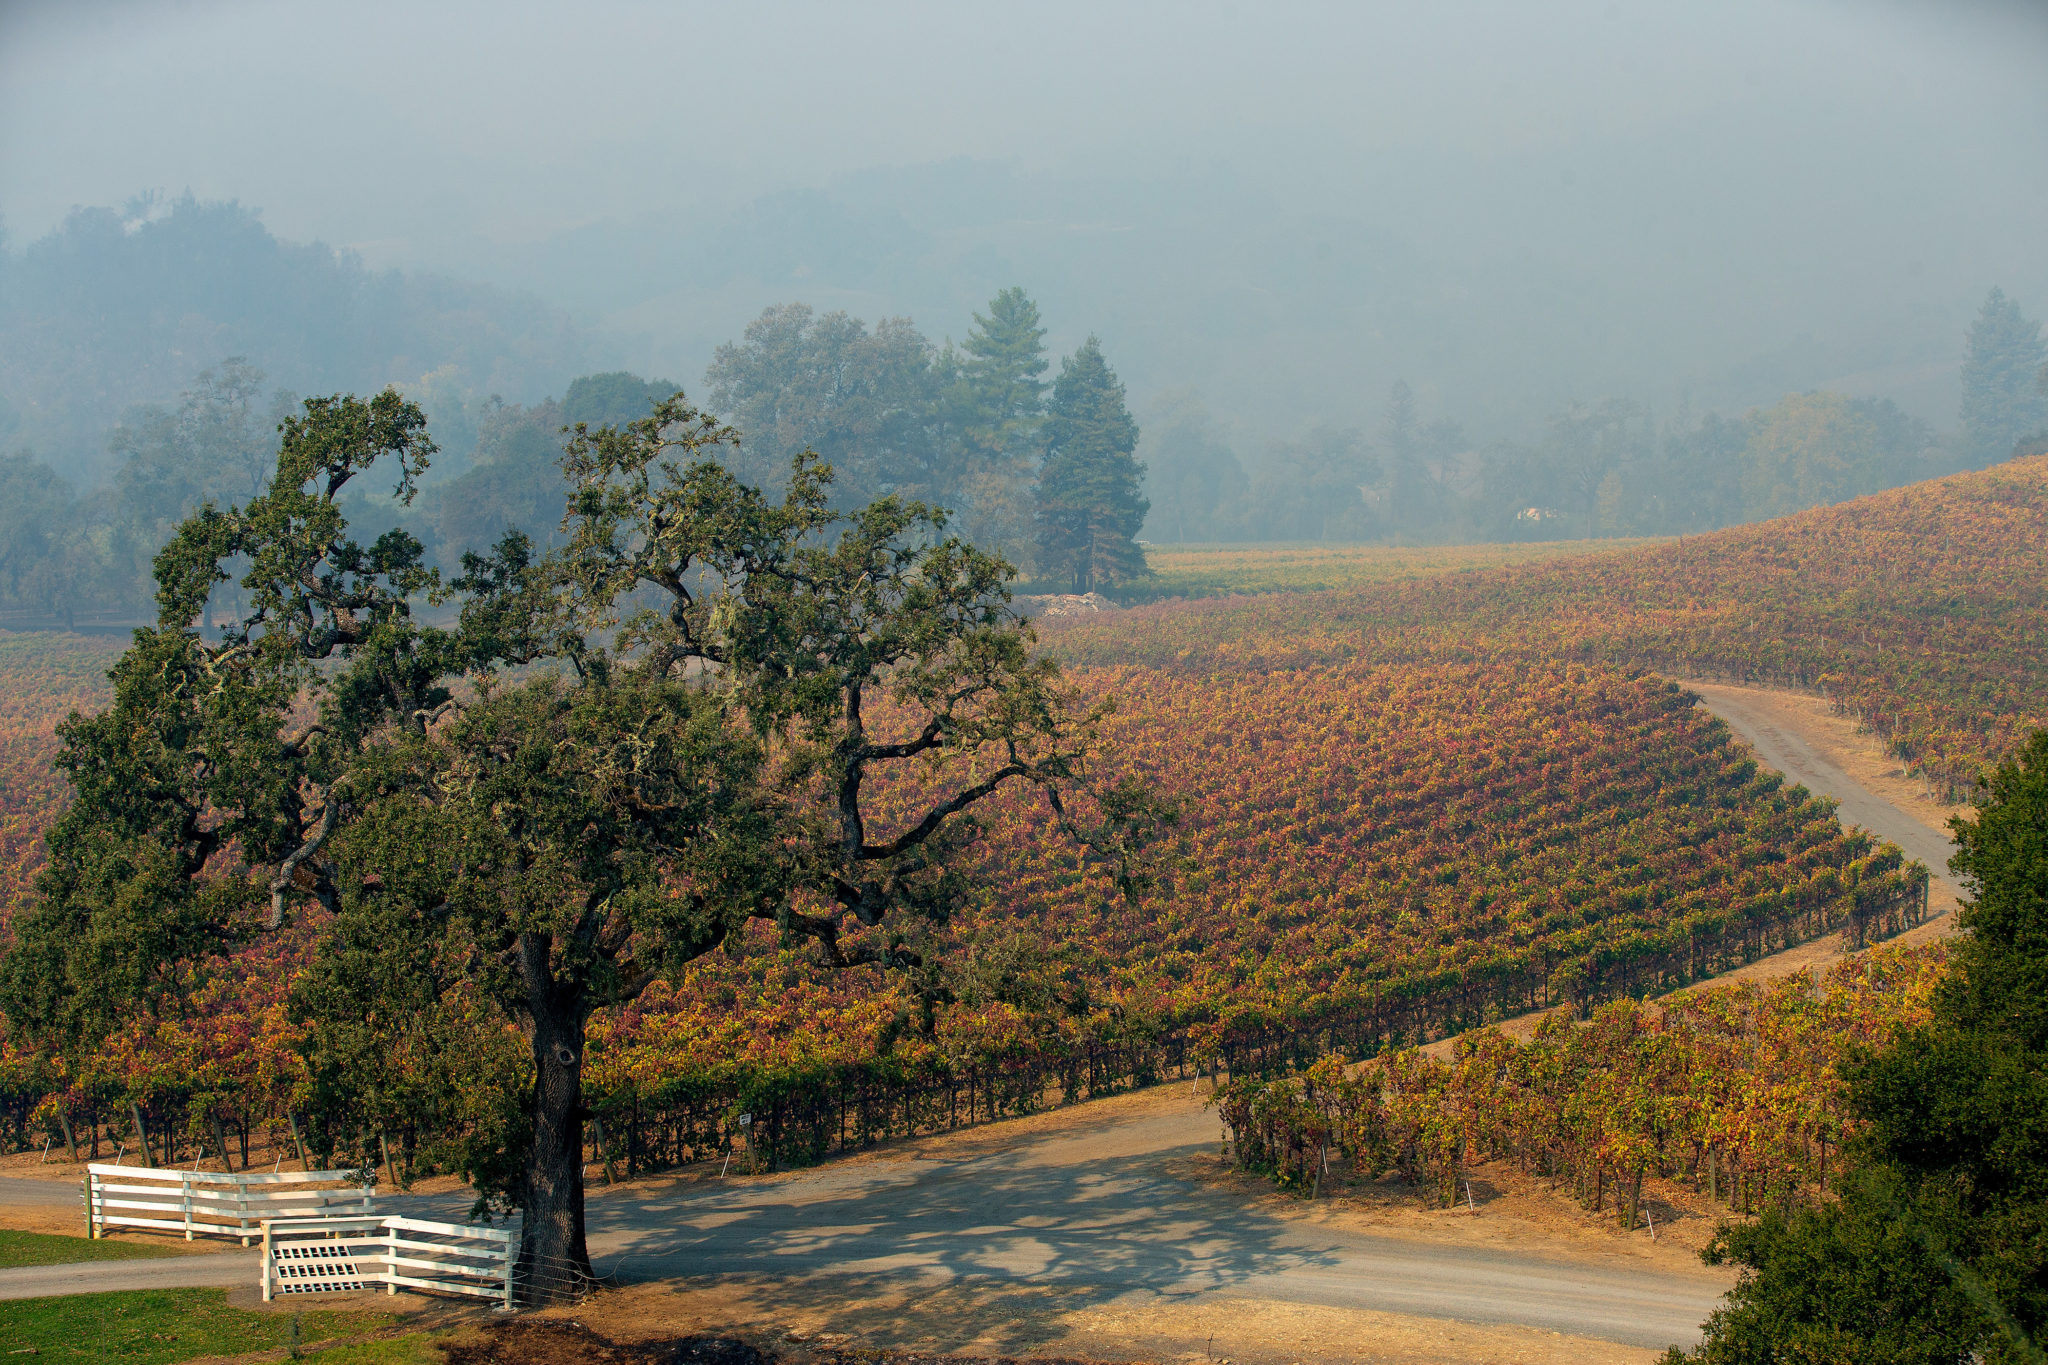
(121, 307)
(1285, 312)
(1190, 554)
(112, 305)
(1509, 209)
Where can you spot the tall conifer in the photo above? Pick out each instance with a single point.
(2002, 367)
(1006, 366)
(1000, 387)
(1089, 501)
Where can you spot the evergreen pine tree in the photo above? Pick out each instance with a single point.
(1089, 503)
(1005, 367)
(2002, 364)
(998, 379)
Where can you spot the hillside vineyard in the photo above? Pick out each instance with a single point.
(42, 680)
(1407, 809)
(1922, 611)
(1371, 856)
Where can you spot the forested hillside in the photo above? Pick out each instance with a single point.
(124, 307)
(147, 354)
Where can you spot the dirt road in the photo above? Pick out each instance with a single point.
(1097, 1206)
(1802, 738)
(1019, 1235)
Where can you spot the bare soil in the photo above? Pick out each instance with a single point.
(955, 1322)
(1510, 1210)
(571, 1341)
(1844, 741)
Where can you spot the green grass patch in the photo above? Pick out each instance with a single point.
(1215, 570)
(164, 1326)
(415, 1348)
(47, 1248)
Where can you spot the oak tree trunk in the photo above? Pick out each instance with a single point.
(554, 1262)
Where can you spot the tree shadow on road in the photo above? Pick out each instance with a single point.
(993, 1249)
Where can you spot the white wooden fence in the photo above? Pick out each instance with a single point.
(322, 1255)
(216, 1203)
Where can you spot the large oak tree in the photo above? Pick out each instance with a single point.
(609, 763)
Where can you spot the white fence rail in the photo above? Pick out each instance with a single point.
(216, 1203)
(325, 1255)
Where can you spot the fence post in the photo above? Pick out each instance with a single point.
(91, 1224)
(266, 1260)
(220, 1143)
(141, 1133)
(185, 1192)
(509, 1260)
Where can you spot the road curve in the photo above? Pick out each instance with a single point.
(1802, 759)
(1096, 1209)
(1090, 1202)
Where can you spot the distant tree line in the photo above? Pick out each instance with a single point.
(1044, 473)
(1044, 470)
(1599, 469)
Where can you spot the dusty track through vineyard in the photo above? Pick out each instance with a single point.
(1800, 737)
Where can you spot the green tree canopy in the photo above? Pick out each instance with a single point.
(514, 482)
(1003, 370)
(711, 686)
(218, 445)
(1811, 449)
(2003, 362)
(1090, 503)
(48, 566)
(997, 391)
(1193, 479)
(1417, 459)
(1314, 487)
(1937, 1249)
(613, 399)
(864, 400)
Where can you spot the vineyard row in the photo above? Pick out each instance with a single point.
(1734, 1090)
(801, 1114)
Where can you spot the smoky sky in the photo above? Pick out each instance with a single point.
(1285, 205)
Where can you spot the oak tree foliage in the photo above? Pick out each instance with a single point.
(610, 760)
